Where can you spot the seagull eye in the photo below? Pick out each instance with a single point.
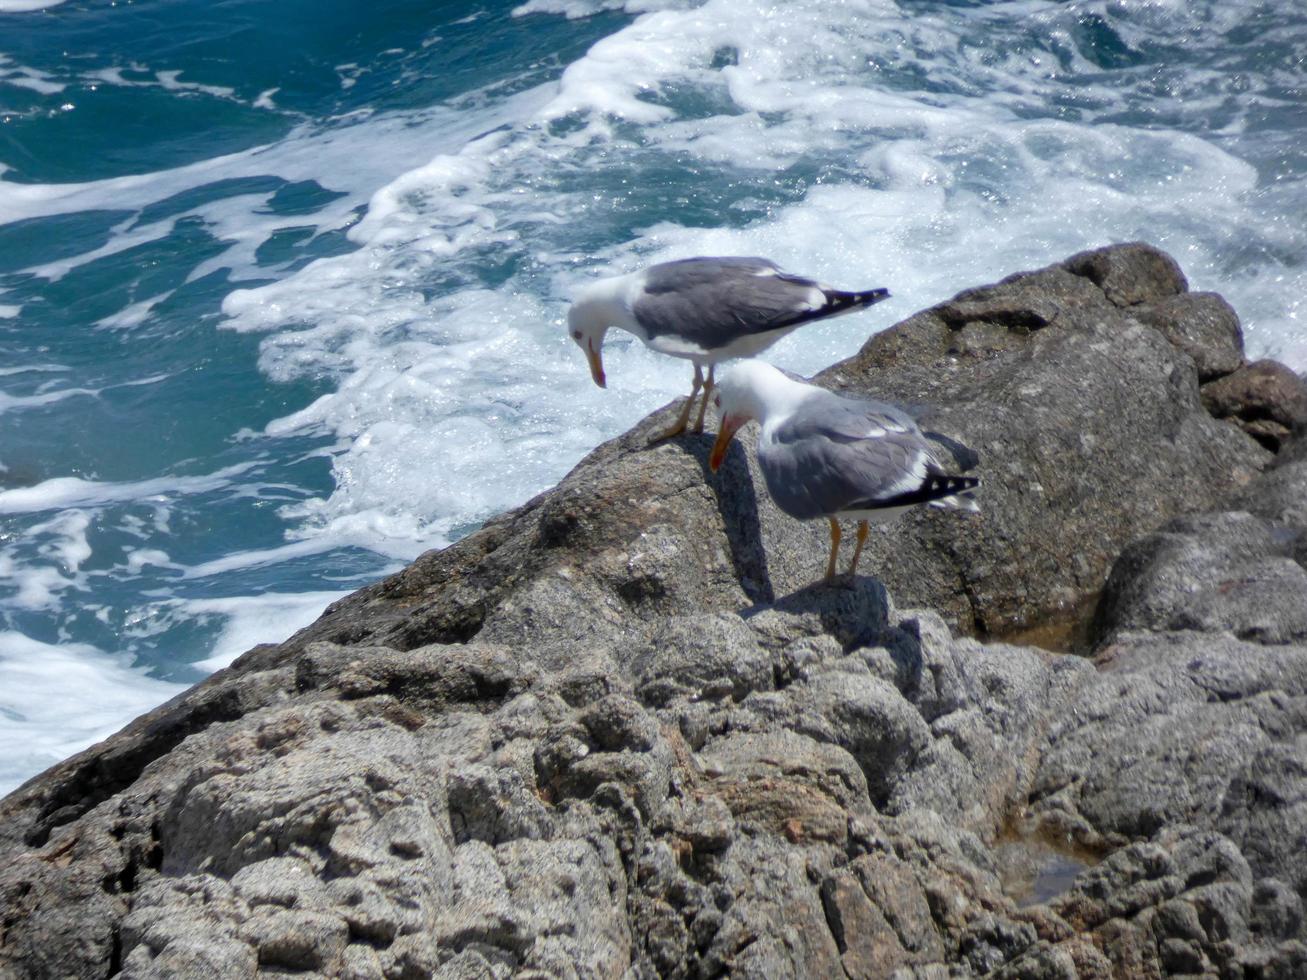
(576, 334)
(717, 401)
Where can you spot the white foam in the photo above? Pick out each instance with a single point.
(11, 402)
(129, 317)
(35, 588)
(167, 79)
(68, 545)
(53, 566)
(29, 78)
(349, 73)
(339, 155)
(23, 6)
(152, 379)
(33, 368)
(577, 9)
(571, 9)
(368, 532)
(71, 491)
(8, 313)
(139, 558)
(56, 700)
(251, 620)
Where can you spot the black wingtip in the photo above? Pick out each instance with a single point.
(840, 299)
(958, 484)
(935, 487)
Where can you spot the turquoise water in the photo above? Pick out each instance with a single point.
(281, 284)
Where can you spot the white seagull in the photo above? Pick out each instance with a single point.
(828, 455)
(704, 310)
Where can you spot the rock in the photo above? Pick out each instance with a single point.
(988, 711)
(1172, 725)
(1265, 398)
(445, 811)
(1187, 750)
(1279, 495)
(1242, 571)
(1226, 571)
(1130, 275)
(1088, 427)
(625, 731)
(1090, 433)
(705, 656)
(1204, 326)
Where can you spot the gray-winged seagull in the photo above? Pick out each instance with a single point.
(704, 310)
(828, 455)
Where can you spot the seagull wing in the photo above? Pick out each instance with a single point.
(839, 454)
(711, 302)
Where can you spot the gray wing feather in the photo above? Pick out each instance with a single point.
(712, 301)
(844, 454)
(842, 417)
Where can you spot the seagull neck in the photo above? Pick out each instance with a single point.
(779, 397)
(605, 304)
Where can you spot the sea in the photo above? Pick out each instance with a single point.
(283, 284)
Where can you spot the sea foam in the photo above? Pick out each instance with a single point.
(56, 699)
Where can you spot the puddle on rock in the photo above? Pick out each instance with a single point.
(1034, 869)
(1069, 631)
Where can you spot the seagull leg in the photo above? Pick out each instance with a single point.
(683, 419)
(834, 546)
(707, 393)
(857, 552)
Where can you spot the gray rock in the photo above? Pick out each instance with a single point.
(1084, 402)
(1265, 398)
(988, 709)
(1130, 275)
(1279, 494)
(1225, 571)
(1204, 326)
(1090, 432)
(1159, 734)
(1177, 904)
(705, 656)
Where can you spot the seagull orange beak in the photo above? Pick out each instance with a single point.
(725, 433)
(596, 365)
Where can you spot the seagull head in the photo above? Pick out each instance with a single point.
(739, 397)
(587, 324)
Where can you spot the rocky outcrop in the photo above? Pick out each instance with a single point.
(1088, 421)
(1227, 571)
(622, 731)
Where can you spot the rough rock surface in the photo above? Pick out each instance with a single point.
(620, 732)
(1204, 326)
(1265, 398)
(1226, 571)
(1090, 431)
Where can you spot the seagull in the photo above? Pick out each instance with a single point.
(832, 456)
(705, 310)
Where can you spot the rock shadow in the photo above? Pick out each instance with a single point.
(854, 609)
(737, 501)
